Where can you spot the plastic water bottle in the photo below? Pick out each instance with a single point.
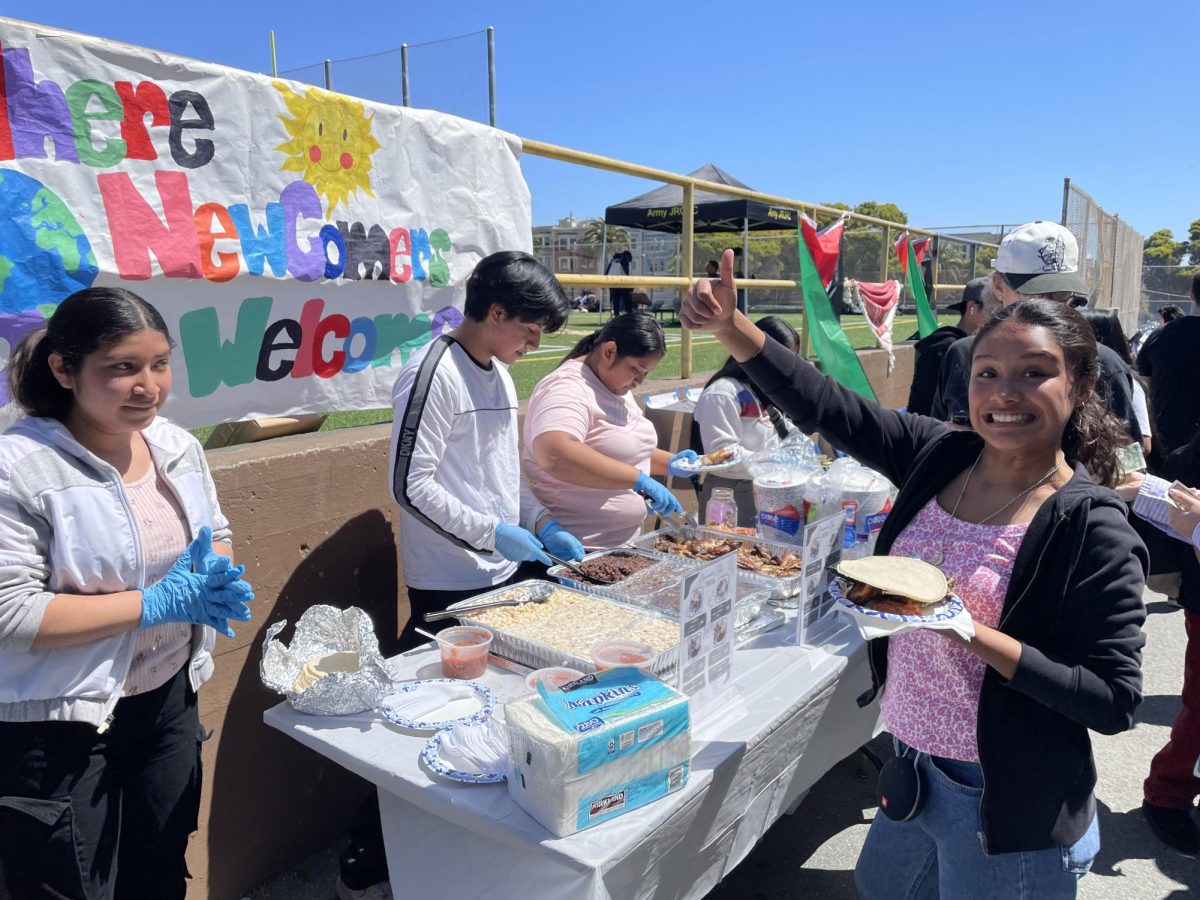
(721, 508)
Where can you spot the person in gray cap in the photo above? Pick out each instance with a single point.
(1040, 259)
(930, 349)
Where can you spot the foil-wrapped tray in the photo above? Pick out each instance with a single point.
(322, 630)
(589, 616)
(780, 588)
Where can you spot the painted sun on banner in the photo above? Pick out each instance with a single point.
(300, 243)
(331, 143)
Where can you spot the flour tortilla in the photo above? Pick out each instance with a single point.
(903, 576)
(317, 668)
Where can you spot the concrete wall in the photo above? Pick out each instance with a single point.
(313, 523)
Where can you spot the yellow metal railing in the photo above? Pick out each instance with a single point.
(689, 184)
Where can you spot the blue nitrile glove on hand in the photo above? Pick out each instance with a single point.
(682, 456)
(515, 543)
(662, 501)
(209, 596)
(560, 542)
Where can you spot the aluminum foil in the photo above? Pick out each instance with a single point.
(326, 629)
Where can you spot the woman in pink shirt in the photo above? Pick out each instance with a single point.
(589, 450)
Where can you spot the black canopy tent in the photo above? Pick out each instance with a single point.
(662, 209)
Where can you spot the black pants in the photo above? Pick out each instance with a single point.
(622, 300)
(421, 601)
(89, 815)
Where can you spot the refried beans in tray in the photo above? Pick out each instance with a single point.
(614, 567)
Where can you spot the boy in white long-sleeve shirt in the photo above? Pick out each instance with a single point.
(467, 520)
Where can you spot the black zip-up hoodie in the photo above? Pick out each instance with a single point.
(1074, 602)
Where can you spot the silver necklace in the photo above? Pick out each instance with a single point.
(939, 555)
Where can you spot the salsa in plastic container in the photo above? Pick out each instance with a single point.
(610, 654)
(552, 677)
(464, 651)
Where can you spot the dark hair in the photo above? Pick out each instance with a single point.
(782, 331)
(778, 328)
(1107, 328)
(1196, 286)
(1171, 312)
(635, 334)
(88, 320)
(1092, 435)
(521, 286)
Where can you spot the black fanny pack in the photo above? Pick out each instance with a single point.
(900, 787)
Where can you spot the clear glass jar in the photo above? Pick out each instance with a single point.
(721, 508)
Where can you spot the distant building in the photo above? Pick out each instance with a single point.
(563, 250)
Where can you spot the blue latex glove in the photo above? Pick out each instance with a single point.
(210, 597)
(515, 543)
(682, 456)
(661, 500)
(560, 542)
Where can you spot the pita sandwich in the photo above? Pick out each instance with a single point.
(897, 576)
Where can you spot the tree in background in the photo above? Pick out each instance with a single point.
(1163, 274)
(1192, 247)
(618, 237)
(888, 211)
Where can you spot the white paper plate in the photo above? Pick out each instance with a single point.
(453, 767)
(938, 612)
(697, 468)
(469, 711)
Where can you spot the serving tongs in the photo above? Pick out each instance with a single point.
(586, 576)
(491, 604)
(684, 524)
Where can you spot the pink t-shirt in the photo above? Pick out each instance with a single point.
(931, 700)
(571, 399)
(162, 650)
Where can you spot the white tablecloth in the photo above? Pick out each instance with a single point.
(790, 716)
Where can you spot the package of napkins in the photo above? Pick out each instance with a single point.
(597, 747)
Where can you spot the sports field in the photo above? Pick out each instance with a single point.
(707, 356)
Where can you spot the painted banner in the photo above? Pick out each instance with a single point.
(301, 244)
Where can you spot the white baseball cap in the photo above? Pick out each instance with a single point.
(1040, 258)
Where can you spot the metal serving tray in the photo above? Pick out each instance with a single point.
(750, 596)
(780, 588)
(536, 654)
(620, 590)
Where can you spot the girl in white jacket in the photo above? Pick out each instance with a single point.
(111, 590)
(733, 413)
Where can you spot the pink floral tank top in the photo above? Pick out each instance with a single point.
(931, 699)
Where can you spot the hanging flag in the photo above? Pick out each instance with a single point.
(910, 254)
(838, 359)
(878, 302)
(825, 246)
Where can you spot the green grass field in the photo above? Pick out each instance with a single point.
(707, 356)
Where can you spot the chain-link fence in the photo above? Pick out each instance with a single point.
(449, 75)
(868, 254)
(1110, 254)
(1166, 286)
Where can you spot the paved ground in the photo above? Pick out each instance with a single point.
(812, 853)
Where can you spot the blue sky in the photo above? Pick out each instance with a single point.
(961, 113)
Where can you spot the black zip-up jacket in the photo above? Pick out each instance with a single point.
(1074, 602)
(927, 362)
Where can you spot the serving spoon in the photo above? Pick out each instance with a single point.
(586, 576)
